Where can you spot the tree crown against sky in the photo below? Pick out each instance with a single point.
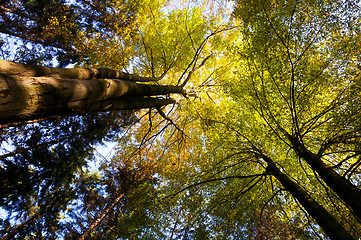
(49, 29)
(273, 119)
(50, 154)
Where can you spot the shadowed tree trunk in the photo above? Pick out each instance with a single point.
(29, 92)
(327, 222)
(18, 228)
(100, 218)
(19, 69)
(348, 192)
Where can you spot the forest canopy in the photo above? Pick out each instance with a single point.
(222, 119)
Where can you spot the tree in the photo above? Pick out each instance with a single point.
(56, 26)
(39, 95)
(37, 178)
(286, 110)
(299, 51)
(112, 204)
(269, 125)
(278, 124)
(45, 156)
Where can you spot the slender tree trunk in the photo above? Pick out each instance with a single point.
(21, 150)
(18, 228)
(24, 98)
(327, 222)
(348, 192)
(100, 218)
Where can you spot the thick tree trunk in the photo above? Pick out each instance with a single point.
(101, 106)
(23, 97)
(327, 222)
(19, 69)
(348, 192)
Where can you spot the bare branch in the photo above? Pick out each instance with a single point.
(220, 179)
(198, 52)
(160, 111)
(195, 69)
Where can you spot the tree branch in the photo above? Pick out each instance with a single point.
(160, 111)
(220, 179)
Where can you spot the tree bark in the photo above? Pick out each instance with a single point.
(19, 69)
(348, 192)
(100, 218)
(101, 106)
(24, 97)
(327, 222)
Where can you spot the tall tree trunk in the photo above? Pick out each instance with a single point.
(19, 69)
(22, 150)
(18, 228)
(327, 222)
(21, 226)
(100, 218)
(26, 97)
(348, 192)
(101, 106)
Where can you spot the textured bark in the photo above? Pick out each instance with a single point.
(19, 69)
(101, 106)
(348, 192)
(24, 97)
(327, 222)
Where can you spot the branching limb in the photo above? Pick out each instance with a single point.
(160, 111)
(221, 179)
(195, 69)
(198, 52)
(266, 203)
(149, 129)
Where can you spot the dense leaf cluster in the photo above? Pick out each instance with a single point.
(267, 145)
(38, 168)
(52, 28)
